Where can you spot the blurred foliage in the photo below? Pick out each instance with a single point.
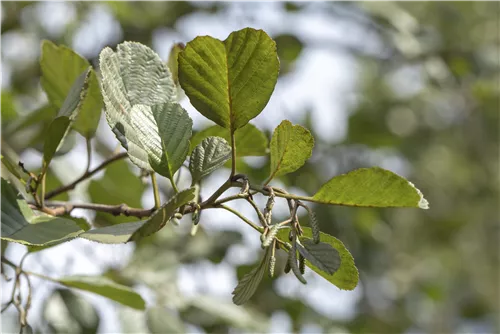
(426, 104)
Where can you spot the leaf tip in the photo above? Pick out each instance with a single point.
(422, 203)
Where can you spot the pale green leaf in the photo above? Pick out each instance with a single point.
(321, 255)
(372, 187)
(209, 155)
(61, 66)
(106, 288)
(115, 234)
(346, 277)
(250, 141)
(172, 63)
(166, 137)
(19, 223)
(67, 114)
(248, 284)
(134, 75)
(230, 81)
(160, 320)
(291, 147)
(163, 214)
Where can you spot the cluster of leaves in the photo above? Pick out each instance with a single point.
(229, 82)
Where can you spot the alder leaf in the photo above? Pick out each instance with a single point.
(291, 147)
(209, 155)
(248, 284)
(321, 255)
(230, 81)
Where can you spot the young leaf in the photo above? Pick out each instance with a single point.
(321, 255)
(106, 288)
(61, 66)
(163, 214)
(19, 224)
(172, 63)
(249, 283)
(230, 81)
(250, 141)
(291, 146)
(134, 75)
(166, 138)
(373, 187)
(209, 155)
(60, 126)
(346, 277)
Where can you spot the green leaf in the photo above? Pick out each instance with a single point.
(231, 81)
(163, 214)
(291, 147)
(79, 309)
(115, 234)
(134, 75)
(346, 277)
(248, 284)
(67, 114)
(209, 155)
(106, 288)
(19, 223)
(122, 233)
(250, 141)
(161, 320)
(61, 66)
(321, 255)
(8, 110)
(372, 187)
(167, 140)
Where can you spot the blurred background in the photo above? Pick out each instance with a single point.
(409, 86)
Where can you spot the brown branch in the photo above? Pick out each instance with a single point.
(59, 208)
(85, 176)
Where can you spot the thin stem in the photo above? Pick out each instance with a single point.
(42, 195)
(233, 154)
(89, 154)
(85, 176)
(156, 191)
(259, 213)
(174, 185)
(245, 219)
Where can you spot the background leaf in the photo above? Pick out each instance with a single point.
(291, 147)
(133, 75)
(375, 187)
(346, 277)
(209, 155)
(250, 141)
(166, 141)
(230, 81)
(161, 320)
(106, 288)
(61, 66)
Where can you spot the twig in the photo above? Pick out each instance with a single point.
(61, 208)
(85, 176)
(156, 191)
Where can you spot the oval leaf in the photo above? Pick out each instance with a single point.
(373, 187)
(291, 146)
(60, 67)
(231, 81)
(70, 108)
(321, 255)
(209, 155)
(248, 284)
(106, 288)
(134, 75)
(250, 141)
(19, 223)
(346, 277)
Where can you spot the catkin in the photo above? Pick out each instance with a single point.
(272, 264)
(302, 264)
(270, 235)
